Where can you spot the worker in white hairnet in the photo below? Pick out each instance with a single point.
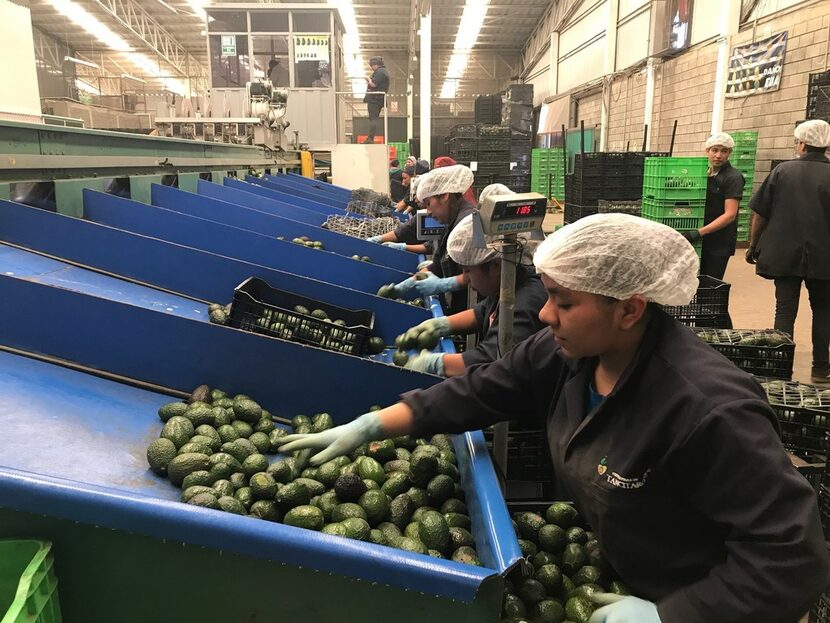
(724, 191)
(441, 192)
(668, 450)
(405, 236)
(482, 266)
(790, 237)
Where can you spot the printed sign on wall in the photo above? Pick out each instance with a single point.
(756, 67)
(311, 48)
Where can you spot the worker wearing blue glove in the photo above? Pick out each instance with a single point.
(375, 239)
(623, 609)
(398, 246)
(338, 440)
(652, 433)
(427, 362)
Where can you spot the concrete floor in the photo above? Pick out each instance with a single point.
(752, 304)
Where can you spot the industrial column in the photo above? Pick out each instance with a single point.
(425, 68)
(649, 105)
(608, 69)
(729, 18)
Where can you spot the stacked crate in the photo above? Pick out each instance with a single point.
(401, 152)
(674, 192)
(493, 146)
(547, 172)
(517, 108)
(818, 96)
(743, 159)
(611, 176)
(488, 109)
(462, 143)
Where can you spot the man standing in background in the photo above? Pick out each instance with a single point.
(790, 237)
(376, 86)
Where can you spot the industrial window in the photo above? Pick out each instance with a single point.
(271, 21)
(271, 59)
(229, 61)
(228, 21)
(307, 21)
(312, 62)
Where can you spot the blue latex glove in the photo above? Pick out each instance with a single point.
(440, 325)
(623, 609)
(424, 264)
(431, 363)
(400, 246)
(405, 285)
(338, 440)
(375, 239)
(435, 285)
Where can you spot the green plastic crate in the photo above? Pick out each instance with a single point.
(402, 151)
(745, 137)
(28, 586)
(675, 178)
(678, 215)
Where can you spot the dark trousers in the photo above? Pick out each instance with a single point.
(787, 294)
(715, 266)
(374, 109)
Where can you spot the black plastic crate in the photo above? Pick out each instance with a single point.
(812, 466)
(521, 135)
(491, 144)
(463, 155)
(824, 511)
(464, 130)
(601, 163)
(529, 470)
(521, 93)
(486, 130)
(574, 212)
(820, 612)
(803, 413)
(520, 164)
(497, 167)
(465, 143)
(517, 182)
(520, 149)
(260, 308)
(766, 353)
(710, 303)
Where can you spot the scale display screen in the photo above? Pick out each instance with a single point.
(518, 209)
(428, 228)
(511, 214)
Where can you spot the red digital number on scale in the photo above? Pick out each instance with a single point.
(524, 210)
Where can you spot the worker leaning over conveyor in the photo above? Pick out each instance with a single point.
(668, 450)
(405, 236)
(441, 192)
(482, 266)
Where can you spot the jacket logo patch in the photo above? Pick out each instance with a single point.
(621, 482)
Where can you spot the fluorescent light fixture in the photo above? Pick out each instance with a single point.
(80, 61)
(85, 86)
(198, 8)
(355, 67)
(129, 77)
(472, 19)
(164, 4)
(83, 18)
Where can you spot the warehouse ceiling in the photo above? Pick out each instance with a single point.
(168, 34)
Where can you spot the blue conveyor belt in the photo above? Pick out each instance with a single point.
(33, 267)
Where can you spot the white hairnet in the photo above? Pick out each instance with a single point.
(720, 138)
(454, 179)
(462, 249)
(620, 255)
(494, 189)
(815, 132)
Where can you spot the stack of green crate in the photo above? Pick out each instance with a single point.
(674, 192)
(402, 151)
(743, 159)
(547, 172)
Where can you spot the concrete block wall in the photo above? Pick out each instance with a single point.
(625, 119)
(589, 110)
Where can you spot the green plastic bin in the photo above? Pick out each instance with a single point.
(28, 586)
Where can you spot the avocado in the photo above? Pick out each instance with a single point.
(265, 424)
(396, 466)
(586, 590)
(184, 464)
(231, 505)
(238, 480)
(319, 314)
(321, 422)
(390, 531)
(382, 451)
(440, 488)
(346, 510)
(396, 483)
(529, 525)
(275, 437)
(356, 528)
(375, 345)
(400, 510)
(548, 611)
(399, 358)
(422, 468)
(243, 429)
(223, 457)
(349, 487)
(411, 545)
(453, 505)
(281, 471)
(199, 477)
(205, 500)
(619, 588)
(513, 607)
(244, 496)
(531, 591)
(315, 487)
(223, 487)
(261, 442)
(335, 529)
(247, 411)
(237, 450)
(579, 609)
(178, 429)
(305, 516)
(328, 473)
(448, 469)
(170, 409)
(377, 537)
(419, 512)
(433, 531)
(376, 506)
(292, 495)
(460, 537)
(458, 520)
(299, 420)
(221, 471)
(411, 531)
(467, 555)
(159, 454)
(370, 469)
(562, 514)
(194, 490)
(427, 340)
(549, 576)
(528, 548)
(195, 447)
(227, 433)
(576, 535)
(265, 509)
(573, 558)
(222, 416)
(263, 486)
(542, 558)
(551, 538)
(200, 394)
(208, 435)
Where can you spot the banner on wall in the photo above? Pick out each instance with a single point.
(311, 48)
(756, 67)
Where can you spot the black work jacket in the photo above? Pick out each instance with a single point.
(444, 266)
(530, 298)
(795, 198)
(679, 471)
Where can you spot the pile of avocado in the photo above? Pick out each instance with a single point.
(307, 242)
(219, 314)
(388, 291)
(362, 258)
(401, 492)
(567, 565)
(414, 338)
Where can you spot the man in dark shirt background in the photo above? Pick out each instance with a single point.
(790, 237)
(377, 85)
